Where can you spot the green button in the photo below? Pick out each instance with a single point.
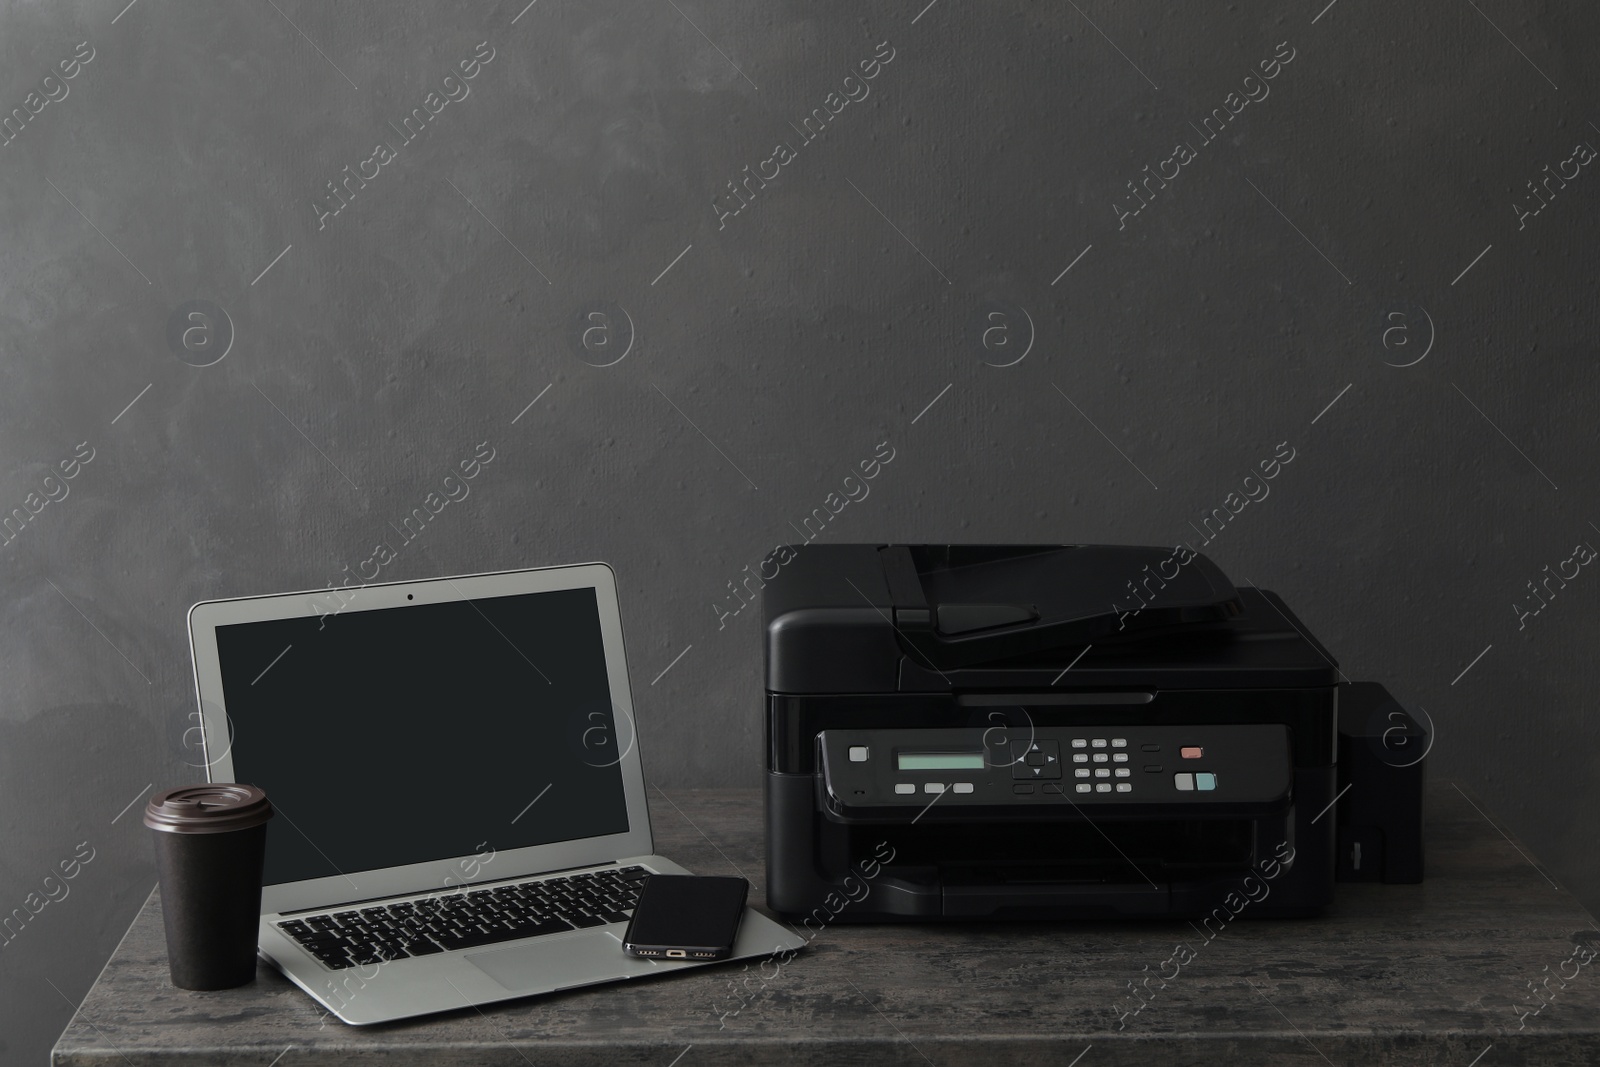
(1205, 781)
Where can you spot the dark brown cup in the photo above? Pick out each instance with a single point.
(211, 841)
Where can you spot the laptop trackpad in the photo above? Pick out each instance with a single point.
(560, 962)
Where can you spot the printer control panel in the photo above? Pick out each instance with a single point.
(875, 770)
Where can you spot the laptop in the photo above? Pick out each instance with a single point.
(459, 806)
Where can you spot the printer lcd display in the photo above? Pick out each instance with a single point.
(939, 761)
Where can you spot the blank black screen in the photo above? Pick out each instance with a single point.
(424, 732)
(688, 911)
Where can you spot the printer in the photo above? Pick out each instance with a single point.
(967, 732)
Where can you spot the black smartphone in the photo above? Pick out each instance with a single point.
(686, 917)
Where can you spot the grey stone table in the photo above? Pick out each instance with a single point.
(1439, 973)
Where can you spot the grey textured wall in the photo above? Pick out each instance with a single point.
(903, 278)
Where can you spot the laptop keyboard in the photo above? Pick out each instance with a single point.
(456, 920)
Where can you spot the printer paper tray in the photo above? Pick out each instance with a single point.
(980, 900)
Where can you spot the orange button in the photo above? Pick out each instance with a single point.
(1191, 752)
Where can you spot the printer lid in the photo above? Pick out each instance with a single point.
(965, 604)
(896, 617)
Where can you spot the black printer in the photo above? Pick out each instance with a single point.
(1066, 732)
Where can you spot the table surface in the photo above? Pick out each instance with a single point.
(1437, 973)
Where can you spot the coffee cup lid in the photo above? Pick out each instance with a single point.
(207, 809)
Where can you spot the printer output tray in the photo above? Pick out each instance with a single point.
(1092, 867)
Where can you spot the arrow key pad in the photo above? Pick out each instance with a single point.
(1036, 760)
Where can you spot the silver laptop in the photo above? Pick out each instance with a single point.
(460, 812)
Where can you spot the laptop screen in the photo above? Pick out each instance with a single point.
(426, 732)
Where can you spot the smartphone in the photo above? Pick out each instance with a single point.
(686, 917)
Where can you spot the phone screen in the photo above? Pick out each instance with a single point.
(686, 917)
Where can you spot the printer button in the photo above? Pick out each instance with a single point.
(1022, 788)
(1053, 789)
(1098, 742)
(1102, 772)
(1150, 748)
(905, 787)
(1124, 787)
(1080, 772)
(1102, 787)
(1035, 759)
(1152, 768)
(1119, 742)
(1119, 757)
(1101, 757)
(961, 787)
(1084, 787)
(858, 753)
(1123, 772)
(1080, 757)
(1184, 782)
(933, 787)
(1080, 742)
(1205, 782)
